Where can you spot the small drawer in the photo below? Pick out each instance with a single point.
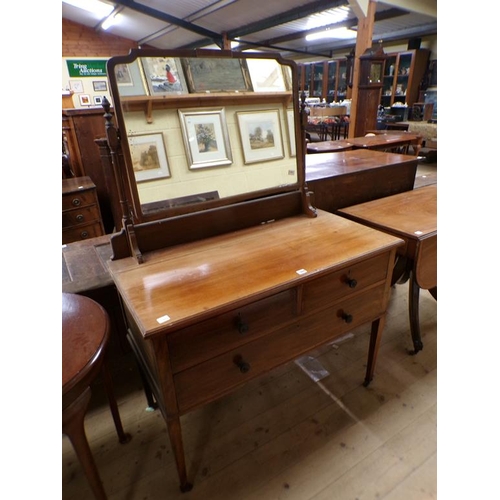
(205, 340)
(81, 233)
(78, 199)
(321, 292)
(222, 374)
(80, 216)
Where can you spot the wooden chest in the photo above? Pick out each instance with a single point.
(81, 216)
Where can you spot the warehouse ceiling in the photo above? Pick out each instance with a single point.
(276, 25)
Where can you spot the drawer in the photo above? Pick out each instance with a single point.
(78, 199)
(79, 216)
(205, 340)
(82, 233)
(218, 376)
(321, 292)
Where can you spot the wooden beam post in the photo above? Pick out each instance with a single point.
(363, 42)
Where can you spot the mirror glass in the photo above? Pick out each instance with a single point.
(205, 126)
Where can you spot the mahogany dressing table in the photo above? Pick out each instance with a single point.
(221, 291)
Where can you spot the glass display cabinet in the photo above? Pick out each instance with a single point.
(403, 74)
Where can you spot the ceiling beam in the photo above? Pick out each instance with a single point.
(426, 7)
(162, 16)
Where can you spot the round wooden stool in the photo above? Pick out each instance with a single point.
(85, 334)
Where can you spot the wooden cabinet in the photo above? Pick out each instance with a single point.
(80, 129)
(324, 79)
(403, 74)
(81, 216)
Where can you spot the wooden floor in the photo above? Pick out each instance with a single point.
(287, 434)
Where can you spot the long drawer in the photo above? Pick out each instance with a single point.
(219, 375)
(81, 232)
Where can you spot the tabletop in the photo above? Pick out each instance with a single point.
(347, 162)
(185, 284)
(412, 214)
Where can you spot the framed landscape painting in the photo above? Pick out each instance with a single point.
(206, 138)
(260, 133)
(266, 75)
(149, 157)
(217, 74)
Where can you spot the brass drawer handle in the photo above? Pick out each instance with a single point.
(242, 365)
(76, 202)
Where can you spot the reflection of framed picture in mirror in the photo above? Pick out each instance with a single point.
(266, 75)
(206, 138)
(260, 134)
(164, 75)
(217, 74)
(290, 121)
(149, 158)
(129, 79)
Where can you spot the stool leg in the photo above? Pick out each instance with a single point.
(108, 386)
(72, 426)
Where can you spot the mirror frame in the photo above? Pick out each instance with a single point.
(133, 215)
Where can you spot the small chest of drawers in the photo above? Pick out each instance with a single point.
(81, 216)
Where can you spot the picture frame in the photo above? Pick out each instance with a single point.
(130, 79)
(266, 75)
(164, 76)
(100, 86)
(76, 86)
(98, 100)
(260, 134)
(290, 121)
(85, 100)
(149, 156)
(206, 138)
(217, 74)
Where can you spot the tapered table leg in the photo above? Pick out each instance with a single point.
(375, 337)
(414, 295)
(174, 431)
(73, 427)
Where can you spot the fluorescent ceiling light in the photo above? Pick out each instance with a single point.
(327, 17)
(111, 21)
(95, 6)
(340, 33)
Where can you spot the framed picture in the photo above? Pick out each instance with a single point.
(260, 134)
(149, 158)
(100, 86)
(97, 100)
(206, 138)
(84, 99)
(164, 75)
(290, 121)
(217, 74)
(266, 75)
(76, 86)
(130, 79)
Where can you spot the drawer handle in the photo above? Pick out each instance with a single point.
(76, 202)
(346, 317)
(241, 325)
(351, 282)
(84, 234)
(80, 218)
(242, 365)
